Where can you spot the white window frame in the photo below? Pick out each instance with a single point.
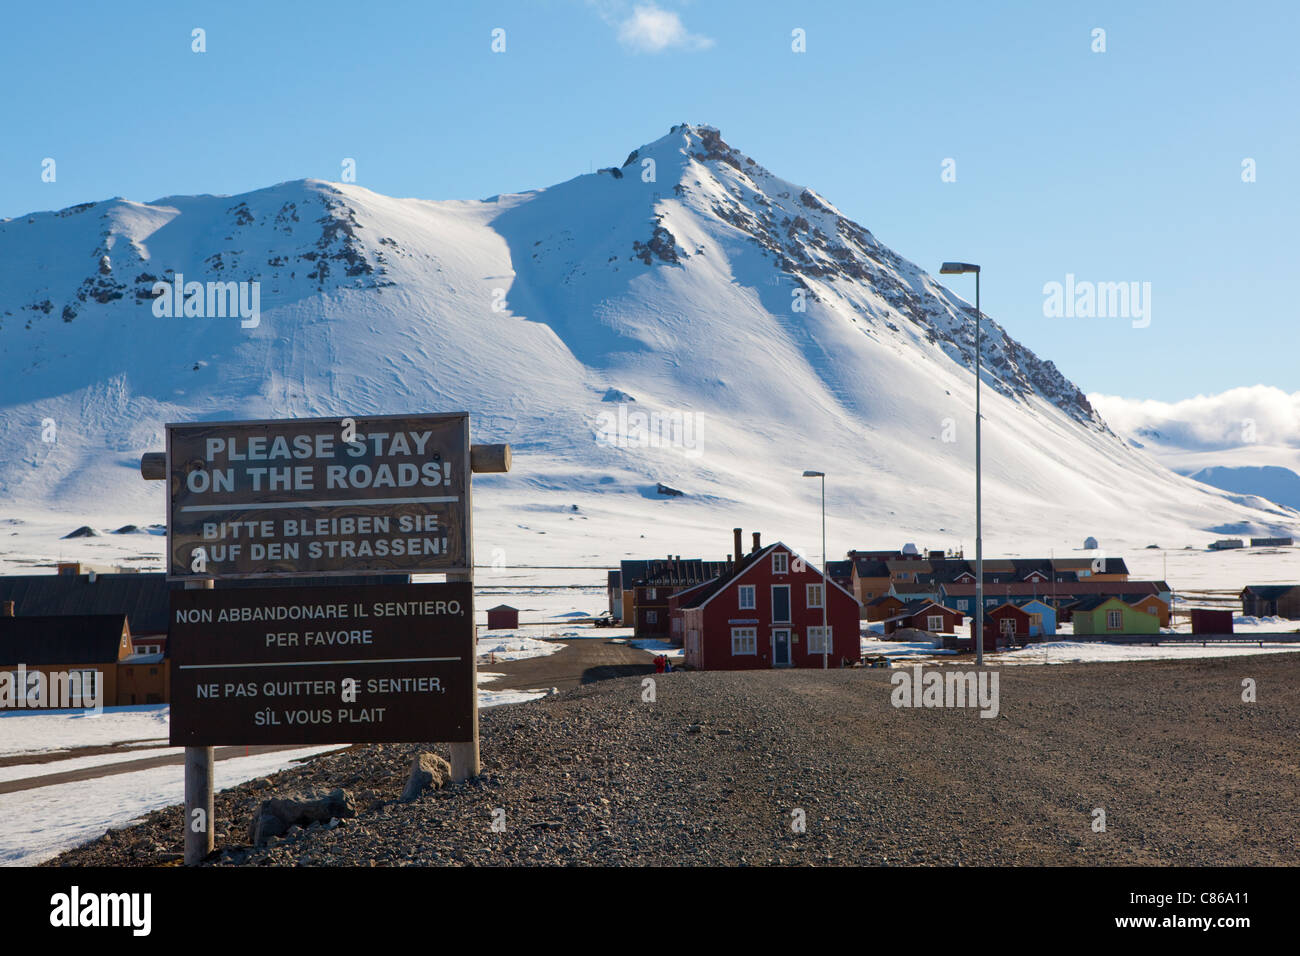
(1118, 617)
(780, 562)
(1008, 626)
(748, 637)
(650, 594)
(810, 590)
(816, 635)
(751, 591)
(789, 609)
(652, 617)
(963, 605)
(930, 624)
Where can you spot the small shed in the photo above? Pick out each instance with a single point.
(1206, 621)
(1042, 618)
(503, 617)
(1009, 623)
(1090, 543)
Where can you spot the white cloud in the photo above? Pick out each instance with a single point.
(1240, 416)
(651, 29)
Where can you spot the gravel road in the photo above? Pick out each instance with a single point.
(721, 766)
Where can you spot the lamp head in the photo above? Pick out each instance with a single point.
(957, 268)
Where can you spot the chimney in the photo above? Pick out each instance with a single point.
(757, 546)
(7, 609)
(739, 551)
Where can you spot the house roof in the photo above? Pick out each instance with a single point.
(734, 574)
(42, 640)
(1059, 589)
(503, 607)
(913, 608)
(870, 568)
(839, 569)
(1008, 606)
(1109, 565)
(909, 564)
(686, 572)
(142, 597)
(883, 598)
(910, 588)
(1097, 600)
(1268, 591)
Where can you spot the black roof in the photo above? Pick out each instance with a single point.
(839, 569)
(871, 568)
(143, 598)
(61, 639)
(683, 573)
(1268, 591)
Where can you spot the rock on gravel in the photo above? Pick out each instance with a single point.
(279, 815)
(428, 771)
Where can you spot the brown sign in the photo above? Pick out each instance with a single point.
(322, 665)
(377, 495)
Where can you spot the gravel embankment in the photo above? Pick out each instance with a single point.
(710, 774)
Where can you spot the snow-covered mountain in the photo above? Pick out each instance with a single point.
(776, 335)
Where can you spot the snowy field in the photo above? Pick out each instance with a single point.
(1073, 652)
(38, 824)
(53, 730)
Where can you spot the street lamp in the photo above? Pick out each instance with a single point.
(960, 268)
(825, 592)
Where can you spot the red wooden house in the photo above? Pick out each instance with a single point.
(767, 612)
(884, 607)
(1010, 623)
(925, 616)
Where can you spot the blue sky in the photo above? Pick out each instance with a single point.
(1123, 165)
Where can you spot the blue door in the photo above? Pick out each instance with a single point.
(781, 647)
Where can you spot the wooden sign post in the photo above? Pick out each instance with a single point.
(317, 497)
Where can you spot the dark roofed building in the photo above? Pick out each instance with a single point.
(141, 597)
(90, 645)
(1271, 600)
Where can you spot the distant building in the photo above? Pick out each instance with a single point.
(89, 646)
(1042, 619)
(924, 615)
(1101, 616)
(503, 617)
(883, 607)
(1271, 542)
(614, 593)
(1271, 600)
(1010, 623)
(1207, 621)
(1227, 544)
(766, 611)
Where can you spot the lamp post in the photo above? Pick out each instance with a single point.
(826, 650)
(960, 268)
